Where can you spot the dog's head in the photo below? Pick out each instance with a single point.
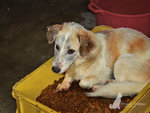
(71, 41)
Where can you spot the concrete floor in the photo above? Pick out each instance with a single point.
(23, 45)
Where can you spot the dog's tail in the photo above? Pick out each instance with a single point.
(112, 89)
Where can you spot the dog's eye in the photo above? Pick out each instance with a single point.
(57, 47)
(71, 51)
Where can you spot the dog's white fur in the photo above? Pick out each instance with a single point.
(123, 53)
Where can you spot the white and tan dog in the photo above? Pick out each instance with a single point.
(93, 58)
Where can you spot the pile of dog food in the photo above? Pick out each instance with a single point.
(75, 101)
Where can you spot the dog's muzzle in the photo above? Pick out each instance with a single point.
(56, 69)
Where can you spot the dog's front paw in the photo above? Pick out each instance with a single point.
(63, 86)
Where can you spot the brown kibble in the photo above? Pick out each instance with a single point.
(128, 100)
(86, 110)
(74, 100)
(107, 110)
(54, 91)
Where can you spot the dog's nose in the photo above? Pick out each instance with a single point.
(56, 69)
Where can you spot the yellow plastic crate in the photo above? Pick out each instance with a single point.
(29, 88)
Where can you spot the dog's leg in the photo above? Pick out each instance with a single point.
(88, 81)
(98, 86)
(65, 85)
(130, 77)
(111, 89)
(102, 78)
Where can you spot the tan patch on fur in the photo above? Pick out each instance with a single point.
(138, 44)
(87, 43)
(113, 42)
(52, 30)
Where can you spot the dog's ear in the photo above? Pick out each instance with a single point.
(52, 31)
(87, 42)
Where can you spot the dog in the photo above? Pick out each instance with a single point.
(109, 61)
